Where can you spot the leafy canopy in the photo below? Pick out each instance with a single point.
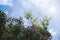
(14, 28)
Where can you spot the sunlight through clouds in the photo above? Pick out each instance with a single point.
(45, 6)
(52, 9)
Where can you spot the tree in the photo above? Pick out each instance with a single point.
(2, 23)
(40, 30)
(15, 29)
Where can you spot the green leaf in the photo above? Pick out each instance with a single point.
(28, 15)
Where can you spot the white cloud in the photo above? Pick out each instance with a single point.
(36, 3)
(6, 2)
(26, 4)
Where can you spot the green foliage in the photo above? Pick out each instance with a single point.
(2, 18)
(28, 15)
(15, 29)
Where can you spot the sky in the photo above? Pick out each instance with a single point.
(51, 8)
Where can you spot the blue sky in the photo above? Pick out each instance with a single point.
(51, 8)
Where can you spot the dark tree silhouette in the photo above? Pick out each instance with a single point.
(2, 23)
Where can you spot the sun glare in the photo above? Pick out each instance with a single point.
(52, 9)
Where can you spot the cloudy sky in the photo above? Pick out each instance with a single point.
(51, 8)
